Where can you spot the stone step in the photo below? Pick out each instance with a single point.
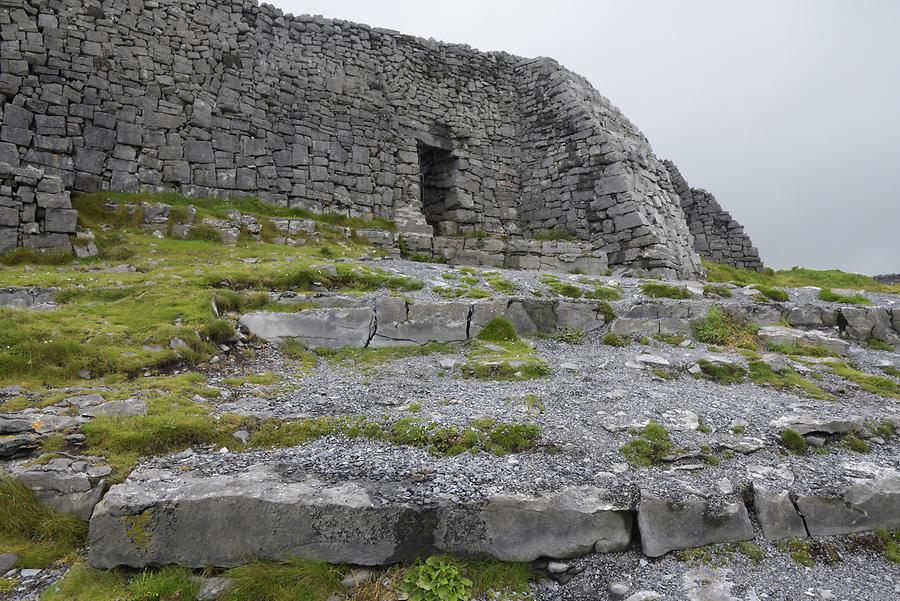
(392, 321)
(255, 505)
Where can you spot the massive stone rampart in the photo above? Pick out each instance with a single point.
(230, 97)
(717, 236)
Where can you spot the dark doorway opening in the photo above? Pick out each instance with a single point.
(438, 168)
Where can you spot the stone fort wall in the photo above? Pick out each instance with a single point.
(215, 98)
(717, 236)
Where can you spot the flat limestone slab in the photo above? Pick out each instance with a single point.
(666, 526)
(317, 328)
(227, 520)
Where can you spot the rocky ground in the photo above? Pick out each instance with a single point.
(726, 439)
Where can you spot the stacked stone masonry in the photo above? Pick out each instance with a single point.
(35, 210)
(215, 98)
(717, 236)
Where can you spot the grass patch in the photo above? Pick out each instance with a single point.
(484, 435)
(171, 424)
(560, 288)
(285, 581)
(763, 374)
(39, 535)
(796, 278)
(721, 328)
(673, 339)
(607, 293)
(660, 290)
(664, 374)
(879, 345)
(293, 348)
(721, 373)
(650, 445)
(368, 359)
(802, 350)
(793, 441)
(29, 256)
(499, 354)
(799, 550)
(857, 444)
(875, 384)
(551, 235)
(830, 296)
(772, 294)
(264, 378)
(613, 339)
(713, 290)
(500, 284)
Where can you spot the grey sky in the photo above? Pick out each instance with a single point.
(787, 110)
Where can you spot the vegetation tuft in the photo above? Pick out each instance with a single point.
(659, 290)
(650, 444)
(724, 329)
(830, 296)
(721, 373)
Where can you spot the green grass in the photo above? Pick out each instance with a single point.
(29, 256)
(264, 378)
(799, 550)
(81, 583)
(721, 373)
(39, 535)
(607, 293)
(879, 345)
(110, 323)
(721, 328)
(550, 235)
(828, 295)
(500, 284)
(367, 359)
(796, 278)
(664, 374)
(773, 294)
(763, 374)
(286, 581)
(559, 287)
(890, 542)
(673, 339)
(498, 353)
(659, 290)
(219, 208)
(802, 350)
(857, 444)
(483, 435)
(793, 441)
(713, 290)
(292, 348)
(650, 445)
(875, 384)
(606, 310)
(172, 423)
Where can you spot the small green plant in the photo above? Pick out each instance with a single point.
(799, 550)
(606, 310)
(37, 534)
(738, 429)
(568, 336)
(793, 441)
(724, 329)
(659, 290)
(890, 542)
(721, 373)
(827, 295)
(664, 374)
(650, 445)
(204, 232)
(802, 350)
(857, 444)
(436, 579)
(891, 371)
(703, 427)
(613, 339)
(751, 550)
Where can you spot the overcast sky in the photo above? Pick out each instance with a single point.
(787, 110)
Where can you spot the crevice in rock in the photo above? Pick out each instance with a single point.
(793, 498)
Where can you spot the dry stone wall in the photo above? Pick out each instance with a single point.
(717, 236)
(230, 97)
(35, 211)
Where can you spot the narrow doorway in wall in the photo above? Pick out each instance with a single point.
(437, 167)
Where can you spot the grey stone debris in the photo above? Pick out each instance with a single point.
(669, 525)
